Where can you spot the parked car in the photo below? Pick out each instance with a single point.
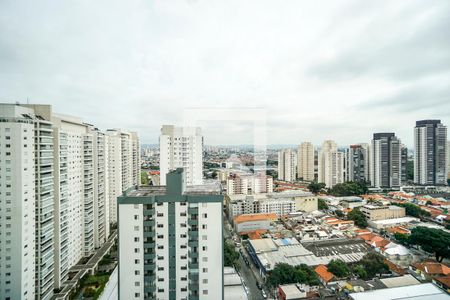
(263, 293)
(259, 285)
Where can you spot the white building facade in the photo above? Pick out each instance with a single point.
(170, 241)
(287, 165)
(181, 147)
(331, 164)
(61, 178)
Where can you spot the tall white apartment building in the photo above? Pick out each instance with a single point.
(181, 147)
(123, 166)
(430, 141)
(287, 165)
(170, 241)
(385, 161)
(18, 202)
(306, 161)
(64, 161)
(331, 164)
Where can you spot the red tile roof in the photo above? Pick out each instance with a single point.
(322, 272)
(433, 268)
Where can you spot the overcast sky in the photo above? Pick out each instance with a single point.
(322, 69)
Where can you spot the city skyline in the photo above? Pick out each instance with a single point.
(310, 66)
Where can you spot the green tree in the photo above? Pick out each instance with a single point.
(432, 240)
(373, 264)
(338, 268)
(144, 178)
(349, 188)
(358, 217)
(322, 205)
(230, 255)
(414, 210)
(315, 187)
(401, 238)
(284, 273)
(359, 271)
(339, 213)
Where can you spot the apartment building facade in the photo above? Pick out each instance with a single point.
(61, 177)
(123, 171)
(170, 241)
(181, 147)
(249, 184)
(430, 143)
(306, 161)
(331, 164)
(375, 212)
(385, 161)
(357, 163)
(278, 203)
(287, 165)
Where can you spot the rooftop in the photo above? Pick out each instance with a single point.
(322, 272)
(433, 268)
(425, 291)
(290, 251)
(254, 217)
(399, 281)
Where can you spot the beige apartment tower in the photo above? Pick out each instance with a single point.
(306, 161)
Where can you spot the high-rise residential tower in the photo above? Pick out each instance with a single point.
(357, 163)
(430, 141)
(123, 166)
(404, 164)
(448, 159)
(331, 164)
(181, 147)
(306, 161)
(58, 172)
(385, 161)
(287, 165)
(170, 241)
(18, 201)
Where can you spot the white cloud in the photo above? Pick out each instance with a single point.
(316, 67)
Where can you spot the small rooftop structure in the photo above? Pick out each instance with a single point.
(399, 281)
(324, 275)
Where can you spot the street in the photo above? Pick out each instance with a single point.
(246, 272)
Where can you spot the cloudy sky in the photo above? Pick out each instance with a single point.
(320, 69)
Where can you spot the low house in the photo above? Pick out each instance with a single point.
(325, 277)
(428, 270)
(443, 283)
